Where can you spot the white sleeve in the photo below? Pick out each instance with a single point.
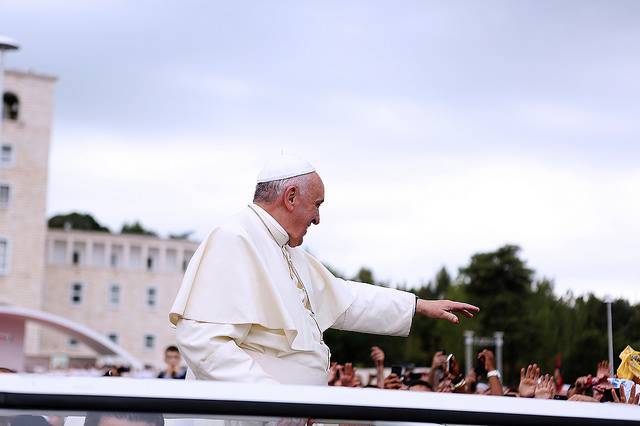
(211, 352)
(378, 310)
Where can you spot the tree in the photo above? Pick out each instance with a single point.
(181, 236)
(75, 220)
(501, 283)
(136, 228)
(364, 275)
(442, 283)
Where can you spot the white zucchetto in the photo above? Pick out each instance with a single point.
(284, 166)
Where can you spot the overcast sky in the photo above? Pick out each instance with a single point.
(441, 129)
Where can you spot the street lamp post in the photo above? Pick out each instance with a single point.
(609, 301)
(468, 349)
(499, 338)
(6, 44)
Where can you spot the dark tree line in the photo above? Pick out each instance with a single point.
(539, 326)
(86, 222)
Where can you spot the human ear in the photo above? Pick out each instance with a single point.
(290, 195)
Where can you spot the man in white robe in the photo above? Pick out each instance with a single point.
(253, 304)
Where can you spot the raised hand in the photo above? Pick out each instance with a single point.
(546, 389)
(488, 358)
(333, 374)
(392, 381)
(495, 383)
(603, 370)
(528, 381)
(348, 376)
(470, 380)
(377, 355)
(437, 364)
(438, 360)
(443, 309)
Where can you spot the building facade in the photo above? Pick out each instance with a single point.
(24, 163)
(120, 285)
(117, 284)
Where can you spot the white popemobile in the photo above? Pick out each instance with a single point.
(178, 402)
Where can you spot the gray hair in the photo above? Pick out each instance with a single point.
(268, 192)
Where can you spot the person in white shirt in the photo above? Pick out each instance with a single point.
(253, 304)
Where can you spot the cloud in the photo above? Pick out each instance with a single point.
(578, 119)
(207, 85)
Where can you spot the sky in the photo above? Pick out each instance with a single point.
(440, 128)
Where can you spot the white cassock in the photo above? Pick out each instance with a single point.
(253, 309)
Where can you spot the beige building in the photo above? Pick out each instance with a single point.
(120, 285)
(24, 161)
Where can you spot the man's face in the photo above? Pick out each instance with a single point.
(306, 210)
(172, 358)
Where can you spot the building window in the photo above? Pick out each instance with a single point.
(11, 108)
(117, 254)
(4, 256)
(113, 337)
(171, 260)
(153, 255)
(78, 255)
(76, 293)
(152, 296)
(135, 257)
(72, 342)
(149, 341)
(98, 254)
(6, 155)
(114, 295)
(59, 252)
(5, 193)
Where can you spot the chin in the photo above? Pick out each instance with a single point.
(295, 242)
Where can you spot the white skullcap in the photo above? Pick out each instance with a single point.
(284, 166)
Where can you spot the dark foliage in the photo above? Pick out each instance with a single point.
(74, 220)
(539, 326)
(136, 228)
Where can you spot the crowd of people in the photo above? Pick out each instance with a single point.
(446, 375)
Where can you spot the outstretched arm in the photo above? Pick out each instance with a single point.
(378, 310)
(388, 311)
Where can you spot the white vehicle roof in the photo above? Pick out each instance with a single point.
(75, 394)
